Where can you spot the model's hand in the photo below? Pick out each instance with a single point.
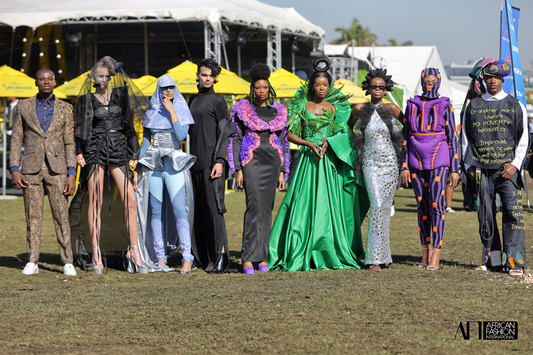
(315, 148)
(508, 171)
(405, 176)
(135, 180)
(80, 160)
(324, 147)
(217, 171)
(454, 180)
(471, 172)
(133, 164)
(281, 181)
(19, 181)
(70, 185)
(168, 105)
(239, 180)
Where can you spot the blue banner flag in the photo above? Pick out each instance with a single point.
(514, 84)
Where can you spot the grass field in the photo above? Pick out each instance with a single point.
(403, 310)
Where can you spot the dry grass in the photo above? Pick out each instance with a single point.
(404, 310)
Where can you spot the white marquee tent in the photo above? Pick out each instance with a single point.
(405, 65)
(34, 13)
(275, 21)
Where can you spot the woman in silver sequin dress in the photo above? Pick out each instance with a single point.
(379, 143)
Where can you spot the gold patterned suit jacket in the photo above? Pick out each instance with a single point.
(57, 144)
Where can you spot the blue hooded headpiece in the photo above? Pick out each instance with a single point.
(157, 116)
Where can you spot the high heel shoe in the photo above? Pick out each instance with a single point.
(186, 272)
(434, 260)
(261, 268)
(221, 264)
(98, 267)
(248, 270)
(135, 264)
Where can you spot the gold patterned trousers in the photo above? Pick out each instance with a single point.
(54, 184)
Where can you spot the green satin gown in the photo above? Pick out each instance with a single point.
(318, 225)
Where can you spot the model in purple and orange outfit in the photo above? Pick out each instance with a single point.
(431, 161)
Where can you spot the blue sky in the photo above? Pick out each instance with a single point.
(461, 29)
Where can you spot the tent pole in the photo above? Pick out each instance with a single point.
(353, 74)
(293, 63)
(29, 51)
(12, 44)
(239, 61)
(4, 153)
(145, 48)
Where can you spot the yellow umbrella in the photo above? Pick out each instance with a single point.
(144, 82)
(358, 94)
(72, 87)
(184, 75)
(285, 83)
(14, 83)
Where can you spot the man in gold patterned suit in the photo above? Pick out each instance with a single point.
(45, 126)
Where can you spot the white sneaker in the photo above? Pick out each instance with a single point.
(30, 269)
(69, 270)
(449, 210)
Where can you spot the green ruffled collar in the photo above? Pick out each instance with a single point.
(298, 110)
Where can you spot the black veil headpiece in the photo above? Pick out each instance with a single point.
(108, 73)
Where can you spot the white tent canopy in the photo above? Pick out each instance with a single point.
(33, 13)
(405, 65)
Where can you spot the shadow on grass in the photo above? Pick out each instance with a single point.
(409, 210)
(234, 261)
(18, 262)
(13, 262)
(409, 260)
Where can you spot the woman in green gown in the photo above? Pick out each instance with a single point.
(318, 223)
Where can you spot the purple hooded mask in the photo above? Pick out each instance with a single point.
(430, 91)
(157, 116)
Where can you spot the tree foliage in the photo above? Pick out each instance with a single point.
(362, 36)
(394, 43)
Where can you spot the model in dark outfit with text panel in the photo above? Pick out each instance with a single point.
(493, 157)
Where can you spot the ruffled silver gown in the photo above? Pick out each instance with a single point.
(165, 146)
(380, 172)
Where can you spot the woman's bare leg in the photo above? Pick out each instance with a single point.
(95, 187)
(449, 195)
(130, 203)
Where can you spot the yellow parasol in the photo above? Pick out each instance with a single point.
(285, 83)
(72, 87)
(144, 82)
(14, 83)
(184, 75)
(358, 94)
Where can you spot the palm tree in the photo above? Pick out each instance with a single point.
(394, 43)
(362, 36)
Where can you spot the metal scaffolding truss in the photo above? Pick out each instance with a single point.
(111, 19)
(343, 68)
(274, 49)
(212, 40)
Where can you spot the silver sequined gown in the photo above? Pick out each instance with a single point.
(380, 172)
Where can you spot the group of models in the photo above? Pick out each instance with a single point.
(350, 162)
